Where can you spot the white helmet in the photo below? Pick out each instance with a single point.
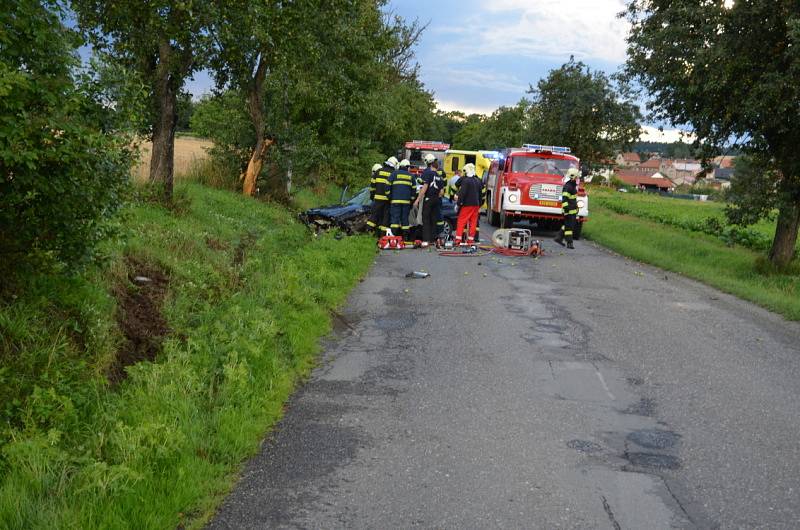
(392, 162)
(405, 162)
(573, 173)
(469, 170)
(376, 167)
(429, 159)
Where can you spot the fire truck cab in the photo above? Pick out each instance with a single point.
(416, 150)
(527, 184)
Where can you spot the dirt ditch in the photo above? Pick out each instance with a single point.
(139, 316)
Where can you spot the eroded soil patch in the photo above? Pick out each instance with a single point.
(139, 316)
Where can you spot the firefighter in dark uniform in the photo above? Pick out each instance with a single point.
(375, 169)
(430, 194)
(402, 195)
(569, 205)
(380, 196)
(443, 180)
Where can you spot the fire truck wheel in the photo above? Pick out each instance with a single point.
(492, 217)
(505, 221)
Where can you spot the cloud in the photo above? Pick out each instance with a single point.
(486, 80)
(447, 106)
(652, 134)
(588, 29)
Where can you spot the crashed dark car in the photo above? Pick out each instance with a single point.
(351, 216)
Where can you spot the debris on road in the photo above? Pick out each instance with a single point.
(417, 274)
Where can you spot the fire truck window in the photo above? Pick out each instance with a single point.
(454, 164)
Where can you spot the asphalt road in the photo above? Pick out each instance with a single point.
(579, 390)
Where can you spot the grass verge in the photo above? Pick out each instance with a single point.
(249, 295)
(735, 270)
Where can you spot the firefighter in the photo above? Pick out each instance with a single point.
(469, 204)
(443, 180)
(375, 169)
(569, 206)
(380, 197)
(431, 197)
(402, 193)
(456, 184)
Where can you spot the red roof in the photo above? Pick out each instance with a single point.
(654, 163)
(637, 179)
(630, 157)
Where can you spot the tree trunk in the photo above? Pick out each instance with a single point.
(162, 159)
(256, 111)
(254, 165)
(783, 245)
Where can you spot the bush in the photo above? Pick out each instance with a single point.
(62, 177)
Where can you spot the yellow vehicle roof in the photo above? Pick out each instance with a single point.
(460, 152)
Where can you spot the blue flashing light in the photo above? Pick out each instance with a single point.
(551, 148)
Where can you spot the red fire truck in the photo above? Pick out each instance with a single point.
(526, 184)
(416, 150)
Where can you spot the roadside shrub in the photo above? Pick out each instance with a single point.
(62, 177)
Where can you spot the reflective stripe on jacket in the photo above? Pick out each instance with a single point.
(569, 198)
(402, 187)
(383, 189)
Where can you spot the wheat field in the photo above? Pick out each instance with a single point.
(188, 151)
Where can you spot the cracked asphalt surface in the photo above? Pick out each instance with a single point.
(579, 390)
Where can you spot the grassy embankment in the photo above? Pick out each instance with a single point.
(671, 234)
(247, 293)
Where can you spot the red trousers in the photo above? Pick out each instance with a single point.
(467, 215)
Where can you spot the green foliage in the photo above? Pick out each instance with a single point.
(729, 71)
(444, 126)
(332, 83)
(504, 128)
(735, 270)
(160, 449)
(583, 109)
(63, 173)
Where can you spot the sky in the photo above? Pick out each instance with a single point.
(476, 56)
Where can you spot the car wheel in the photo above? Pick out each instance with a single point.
(448, 229)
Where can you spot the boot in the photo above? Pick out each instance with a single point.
(569, 245)
(559, 239)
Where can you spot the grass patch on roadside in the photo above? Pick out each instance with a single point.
(249, 295)
(697, 216)
(735, 270)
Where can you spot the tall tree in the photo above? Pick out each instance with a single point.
(325, 82)
(729, 70)
(165, 42)
(585, 110)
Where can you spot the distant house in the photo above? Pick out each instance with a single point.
(683, 171)
(628, 159)
(652, 182)
(654, 165)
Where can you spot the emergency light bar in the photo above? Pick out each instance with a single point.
(551, 148)
(426, 144)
